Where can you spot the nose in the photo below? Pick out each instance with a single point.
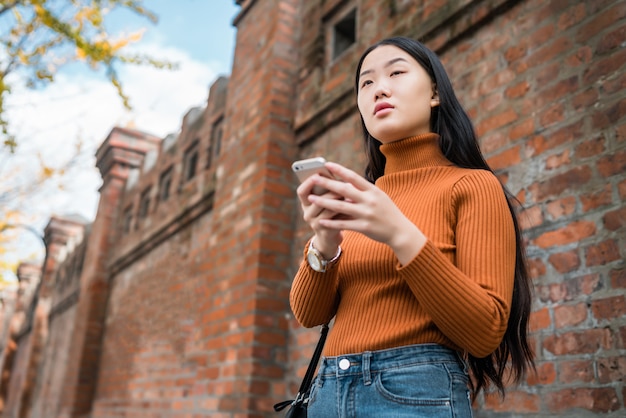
(382, 90)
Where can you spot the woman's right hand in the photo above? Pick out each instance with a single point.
(326, 240)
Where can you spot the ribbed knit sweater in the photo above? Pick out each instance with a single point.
(457, 290)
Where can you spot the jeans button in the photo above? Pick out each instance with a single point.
(344, 364)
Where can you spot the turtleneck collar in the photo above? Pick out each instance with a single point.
(414, 152)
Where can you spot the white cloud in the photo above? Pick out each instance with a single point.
(86, 107)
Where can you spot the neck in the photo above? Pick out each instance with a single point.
(414, 152)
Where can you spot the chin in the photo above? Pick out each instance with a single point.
(385, 138)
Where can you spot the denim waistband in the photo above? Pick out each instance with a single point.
(372, 361)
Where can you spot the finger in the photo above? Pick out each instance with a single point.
(313, 213)
(339, 190)
(342, 224)
(344, 207)
(349, 176)
(305, 189)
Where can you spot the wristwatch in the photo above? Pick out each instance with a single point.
(316, 259)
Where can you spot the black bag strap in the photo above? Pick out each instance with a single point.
(310, 371)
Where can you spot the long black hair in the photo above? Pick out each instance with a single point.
(459, 144)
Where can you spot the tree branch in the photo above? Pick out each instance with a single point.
(7, 7)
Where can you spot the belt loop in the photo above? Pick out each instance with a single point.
(367, 377)
(463, 360)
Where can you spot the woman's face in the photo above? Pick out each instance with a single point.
(395, 95)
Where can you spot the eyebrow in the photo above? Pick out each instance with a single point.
(390, 62)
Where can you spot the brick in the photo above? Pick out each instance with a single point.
(556, 92)
(565, 262)
(608, 117)
(492, 141)
(581, 56)
(552, 115)
(573, 232)
(621, 188)
(536, 268)
(585, 99)
(531, 217)
(618, 279)
(583, 285)
(496, 121)
(525, 128)
(570, 315)
(609, 308)
(516, 51)
(556, 161)
(576, 371)
(540, 320)
(545, 375)
(614, 84)
(598, 199)
(591, 147)
(600, 400)
(517, 90)
(620, 132)
(613, 164)
(604, 68)
(567, 134)
(600, 22)
(542, 33)
(505, 159)
(572, 16)
(516, 401)
(554, 292)
(602, 253)
(561, 208)
(497, 80)
(581, 342)
(492, 101)
(612, 369)
(546, 75)
(560, 183)
(611, 40)
(550, 51)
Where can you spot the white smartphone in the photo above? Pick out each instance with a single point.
(310, 166)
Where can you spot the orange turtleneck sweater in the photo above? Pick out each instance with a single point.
(456, 292)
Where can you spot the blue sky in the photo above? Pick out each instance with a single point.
(201, 27)
(82, 107)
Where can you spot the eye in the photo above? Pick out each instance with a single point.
(396, 72)
(365, 83)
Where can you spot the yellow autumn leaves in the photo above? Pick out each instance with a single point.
(38, 37)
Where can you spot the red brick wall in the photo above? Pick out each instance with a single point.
(49, 389)
(121, 153)
(196, 318)
(18, 378)
(543, 82)
(64, 292)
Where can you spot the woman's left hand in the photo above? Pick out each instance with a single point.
(368, 210)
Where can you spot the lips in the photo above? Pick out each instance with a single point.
(382, 106)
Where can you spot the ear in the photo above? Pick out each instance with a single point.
(434, 101)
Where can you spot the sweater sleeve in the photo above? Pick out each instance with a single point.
(314, 296)
(469, 300)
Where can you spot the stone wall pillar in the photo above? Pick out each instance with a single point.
(254, 207)
(121, 153)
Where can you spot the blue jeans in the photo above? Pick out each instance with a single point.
(425, 380)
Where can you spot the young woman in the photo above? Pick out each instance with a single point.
(420, 264)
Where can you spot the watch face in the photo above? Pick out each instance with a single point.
(314, 262)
